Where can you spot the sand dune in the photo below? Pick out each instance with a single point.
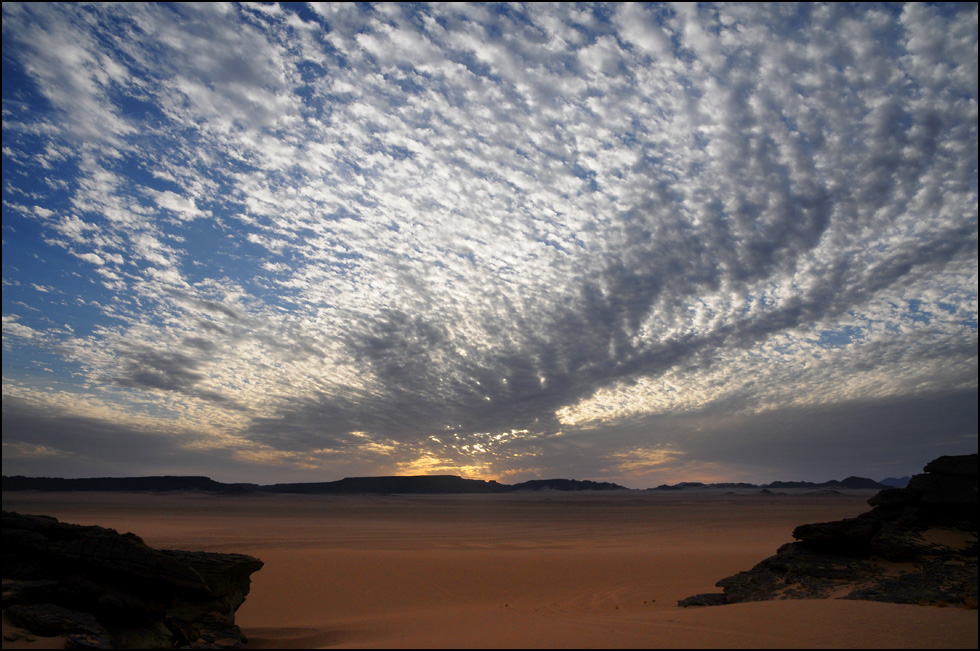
(518, 570)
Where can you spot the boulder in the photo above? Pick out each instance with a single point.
(918, 544)
(103, 589)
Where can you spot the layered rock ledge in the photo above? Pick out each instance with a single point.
(102, 589)
(917, 545)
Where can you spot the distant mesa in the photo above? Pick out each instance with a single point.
(420, 484)
(134, 484)
(917, 545)
(696, 485)
(390, 485)
(851, 483)
(566, 485)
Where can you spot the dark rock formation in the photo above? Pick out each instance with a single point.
(917, 545)
(851, 483)
(403, 485)
(164, 483)
(104, 590)
(566, 485)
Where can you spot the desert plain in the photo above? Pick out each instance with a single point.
(593, 569)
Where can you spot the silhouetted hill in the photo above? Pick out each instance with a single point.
(851, 483)
(164, 483)
(565, 485)
(393, 484)
(861, 482)
(696, 484)
(419, 484)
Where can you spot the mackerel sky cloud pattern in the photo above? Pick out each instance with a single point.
(625, 242)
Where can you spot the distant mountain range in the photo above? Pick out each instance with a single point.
(351, 485)
(852, 483)
(422, 484)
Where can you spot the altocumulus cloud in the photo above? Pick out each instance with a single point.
(616, 241)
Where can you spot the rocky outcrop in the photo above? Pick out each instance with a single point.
(102, 589)
(917, 545)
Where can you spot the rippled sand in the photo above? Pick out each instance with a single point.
(515, 570)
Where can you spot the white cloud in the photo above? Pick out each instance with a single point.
(93, 258)
(184, 207)
(168, 276)
(74, 229)
(73, 73)
(12, 327)
(640, 29)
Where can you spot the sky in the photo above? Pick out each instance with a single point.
(621, 242)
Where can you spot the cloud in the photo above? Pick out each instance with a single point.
(890, 435)
(464, 221)
(74, 74)
(184, 207)
(53, 441)
(640, 29)
(12, 327)
(94, 258)
(72, 227)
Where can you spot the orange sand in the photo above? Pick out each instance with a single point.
(517, 570)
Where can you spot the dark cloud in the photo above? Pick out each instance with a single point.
(48, 441)
(169, 371)
(870, 437)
